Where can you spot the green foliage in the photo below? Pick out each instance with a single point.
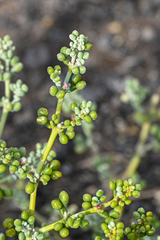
(41, 165)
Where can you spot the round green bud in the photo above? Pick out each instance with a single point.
(84, 223)
(57, 205)
(70, 135)
(103, 198)
(85, 55)
(42, 120)
(99, 193)
(27, 233)
(60, 94)
(25, 215)
(21, 236)
(104, 226)
(82, 69)
(149, 214)
(86, 205)
(29, 189)
(64, 232)
(18, 67)
(131, 236)
(42, 112)
(87, 197)
(53, 76)
(73, 105)
(58, 226)
(141, 210)
(64, 197)
(61, 57)
(75, 70)
(98, 238)
(88, 46)
(136, 215)
(11, 232)
(55, 164)
(6, 38)
(119, 182)
(45, 177)
(22, 151)
(66, 61)
(50, 70)
(93, 115)
(114, 204)
(16, 163)
(53, 90)
(8, 223)
(67, 122)
(150, 232)
(112, 185)
(70, 222)
(63, 50)
(72, 37)
(128, 201)
(2, 236)
(76, 78)
(87, 119)
(14, 60)
(12, 168)
(17, 106)
(63, 139)
(138, 187)
(7, 192)
(76, 224)
(75, 32)
(47, 171)
(57, 79)
(31, 220)
(120, 225)
(128, 230)
(103, 213)
(17, 222)
(56, 174)
(80, 85)
(114, 214)
(136, 194)
(2, 168)
(3, 144)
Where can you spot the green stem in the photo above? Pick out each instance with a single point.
(136, 159)
(68, 75)
(7, 89)
(32, 203)
(59, 107)
(85, 212)
(5, 111)
(47, 150)
(50, 142)
(3, 120)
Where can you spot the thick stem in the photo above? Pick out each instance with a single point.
(136, 159)
(3, 120)
(85, 212)
(47, 150)
(59, 107)
(32, 203)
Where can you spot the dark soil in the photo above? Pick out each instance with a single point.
(125, 37)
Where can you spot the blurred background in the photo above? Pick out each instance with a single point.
(125, 37)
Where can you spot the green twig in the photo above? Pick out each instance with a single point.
(85, 212)
(136, 159)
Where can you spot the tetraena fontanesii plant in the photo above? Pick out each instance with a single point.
(41, 166)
